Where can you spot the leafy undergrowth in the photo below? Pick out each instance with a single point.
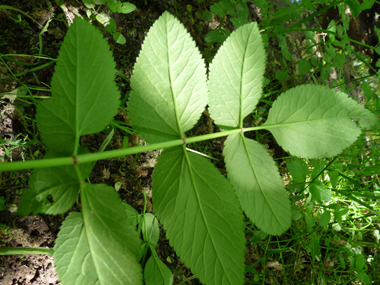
(334, 236)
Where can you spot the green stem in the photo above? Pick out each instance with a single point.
(43, 29)
(25, 250)
(85, 158)
(17, 10)
(79, 174)
(10, 71)
(90, 157)
(145, 229)
(7, 57)
(34, 69)
(24, 96)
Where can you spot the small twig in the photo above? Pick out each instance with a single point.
(187, 279)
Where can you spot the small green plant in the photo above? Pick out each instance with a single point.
(105, 19)
(155, 271)
(14, 143)
(337, 230)
(200, 209)
(238, 10)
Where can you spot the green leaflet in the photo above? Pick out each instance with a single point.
(258, 184)
(218, 36)
(201, 215)
(325, 218)
(236, 77)
(168, 82)
(84, 94)
(132, 215)
(98, 246)
(151, 231)
(297, 168)
(315, 121)
(60, 182)
(156, 272)
(29, 204)
(71, 253)
(334, 176)
(319, 167)
(320, 192)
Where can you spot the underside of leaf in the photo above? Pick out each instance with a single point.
(99, 245)
(168, 82)
(315, 121)
(84, 95)
(236, 76)
(156, 272)
(199, 210)
(258, 184)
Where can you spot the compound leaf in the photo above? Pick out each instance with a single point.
(258, 184)
(84, 94)
(99, 245)
(200, 212)
(315, 121)
(168, 82)
(236, 76)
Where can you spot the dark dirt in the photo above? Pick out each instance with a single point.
(27, 269)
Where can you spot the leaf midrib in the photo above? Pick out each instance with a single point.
(171, 84)
(257, 178)
(157, 260)
(279, 125)
(241, 82)
(201, 210)
(93, 235)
